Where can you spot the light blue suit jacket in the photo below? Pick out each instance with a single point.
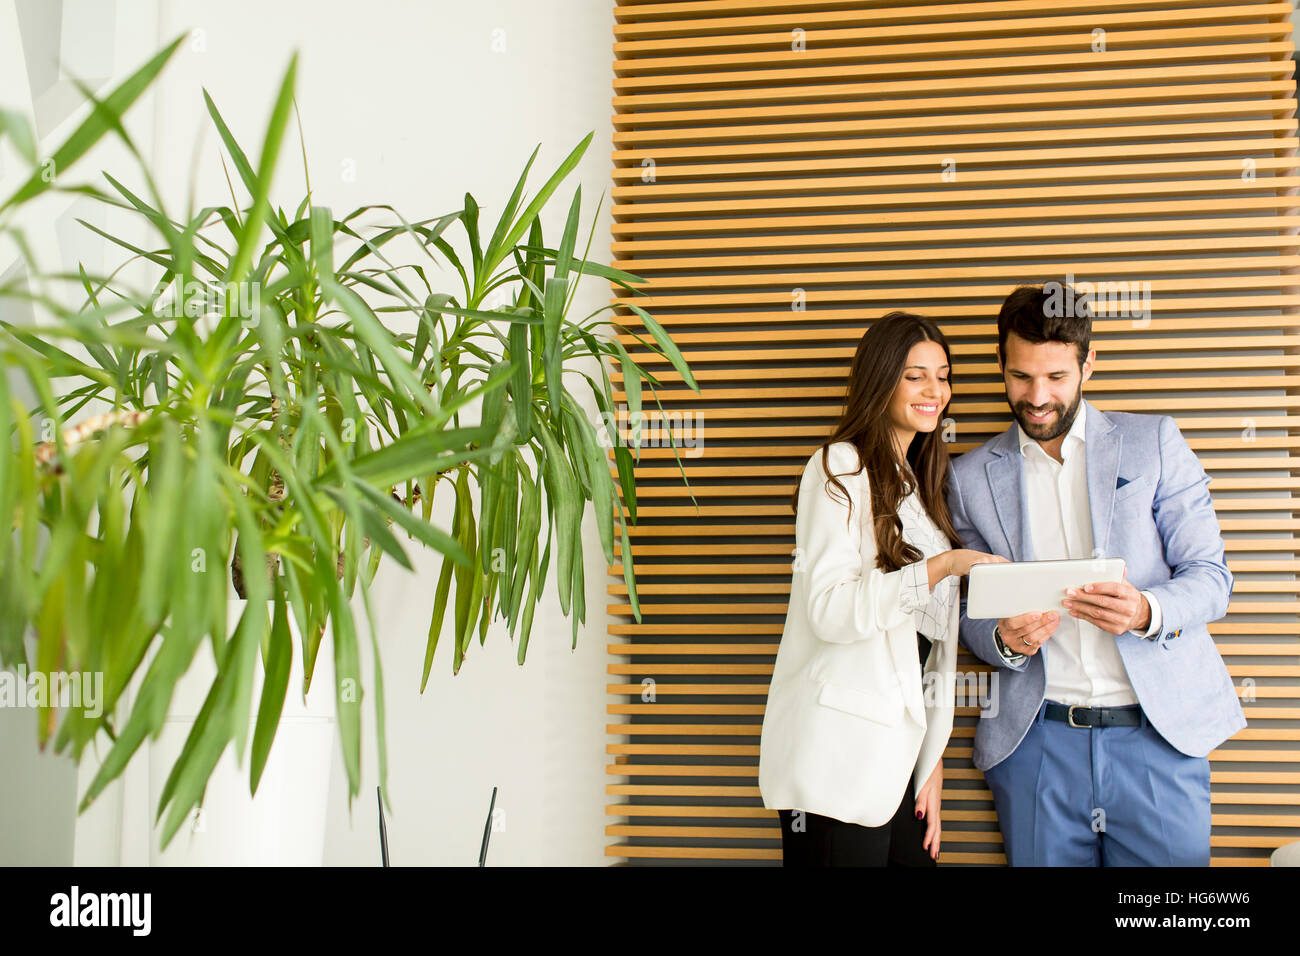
(1149, 504)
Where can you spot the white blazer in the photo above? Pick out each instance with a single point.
(847, 721)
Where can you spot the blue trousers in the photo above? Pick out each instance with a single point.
(1106, 796)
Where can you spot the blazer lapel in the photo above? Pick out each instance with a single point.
(1102, 440)
(1006, 480)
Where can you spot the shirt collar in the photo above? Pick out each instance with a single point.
(1077, 431)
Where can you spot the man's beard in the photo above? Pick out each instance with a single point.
(1054, 427)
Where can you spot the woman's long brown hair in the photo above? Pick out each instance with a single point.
(877, 369)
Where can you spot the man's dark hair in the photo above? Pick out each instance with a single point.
(1051, 313)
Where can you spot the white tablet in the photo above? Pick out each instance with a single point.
(1019, 587)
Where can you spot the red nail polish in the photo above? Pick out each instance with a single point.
(918, 814)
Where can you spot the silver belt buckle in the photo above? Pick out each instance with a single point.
(1069, 716)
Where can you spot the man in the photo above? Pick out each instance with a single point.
(1108, 705)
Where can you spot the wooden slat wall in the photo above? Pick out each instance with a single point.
(752, 177)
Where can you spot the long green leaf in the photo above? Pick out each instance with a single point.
(265, 171)
(277, 661)
(102, 119)
(525, 220)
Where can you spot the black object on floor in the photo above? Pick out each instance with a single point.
(487, 830)
(383, 830)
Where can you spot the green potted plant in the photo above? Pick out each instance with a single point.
(282, 443)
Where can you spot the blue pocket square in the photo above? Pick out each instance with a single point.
(1121, 482)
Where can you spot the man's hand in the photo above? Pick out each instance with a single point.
(1026, 633)
(1113, 606)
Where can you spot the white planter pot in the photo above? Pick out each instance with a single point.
(284, 825)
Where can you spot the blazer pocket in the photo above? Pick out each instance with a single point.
(884, 709)
(1139, 484)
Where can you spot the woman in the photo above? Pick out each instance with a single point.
(853, 736)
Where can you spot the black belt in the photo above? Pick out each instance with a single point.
(1077, 715)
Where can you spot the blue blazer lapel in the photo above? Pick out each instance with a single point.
(1103, 442)
(1006, 480)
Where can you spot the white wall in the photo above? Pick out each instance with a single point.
(413, 103)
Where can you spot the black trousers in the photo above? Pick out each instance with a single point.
(825, 841)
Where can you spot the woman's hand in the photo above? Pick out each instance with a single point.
(927, 808)
(961, 560)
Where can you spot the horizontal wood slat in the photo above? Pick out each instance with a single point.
(775, 49)
(785, 171)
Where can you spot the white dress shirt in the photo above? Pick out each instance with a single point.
(1081, 661)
